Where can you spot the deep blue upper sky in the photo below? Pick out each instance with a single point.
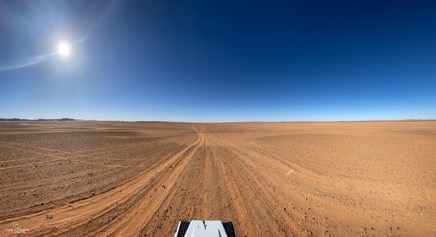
(219, 60)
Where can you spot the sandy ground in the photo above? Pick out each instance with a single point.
(270, 179)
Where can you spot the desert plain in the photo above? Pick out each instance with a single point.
(83, 178)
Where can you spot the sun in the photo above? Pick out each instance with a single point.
(64, 49)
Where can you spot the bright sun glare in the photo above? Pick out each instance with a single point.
(64, 49)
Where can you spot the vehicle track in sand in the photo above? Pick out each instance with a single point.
(56, 155)
(71, 218)
(268, 179)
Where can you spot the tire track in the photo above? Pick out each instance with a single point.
(266, 185)
(73, 215)
(261, 181)
(143, 211)
(73, 157)
(232, 188)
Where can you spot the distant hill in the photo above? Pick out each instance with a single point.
(18, 119)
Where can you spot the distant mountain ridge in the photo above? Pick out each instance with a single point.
(18, 119)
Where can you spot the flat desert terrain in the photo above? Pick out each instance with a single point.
(270, 179)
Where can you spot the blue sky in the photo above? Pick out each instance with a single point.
(204, 61)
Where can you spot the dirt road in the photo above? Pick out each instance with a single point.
(289, 179)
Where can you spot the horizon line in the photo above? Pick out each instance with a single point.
(168, 121)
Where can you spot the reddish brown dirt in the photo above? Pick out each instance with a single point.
(270, 179)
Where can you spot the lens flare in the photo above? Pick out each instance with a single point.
(64, 49)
